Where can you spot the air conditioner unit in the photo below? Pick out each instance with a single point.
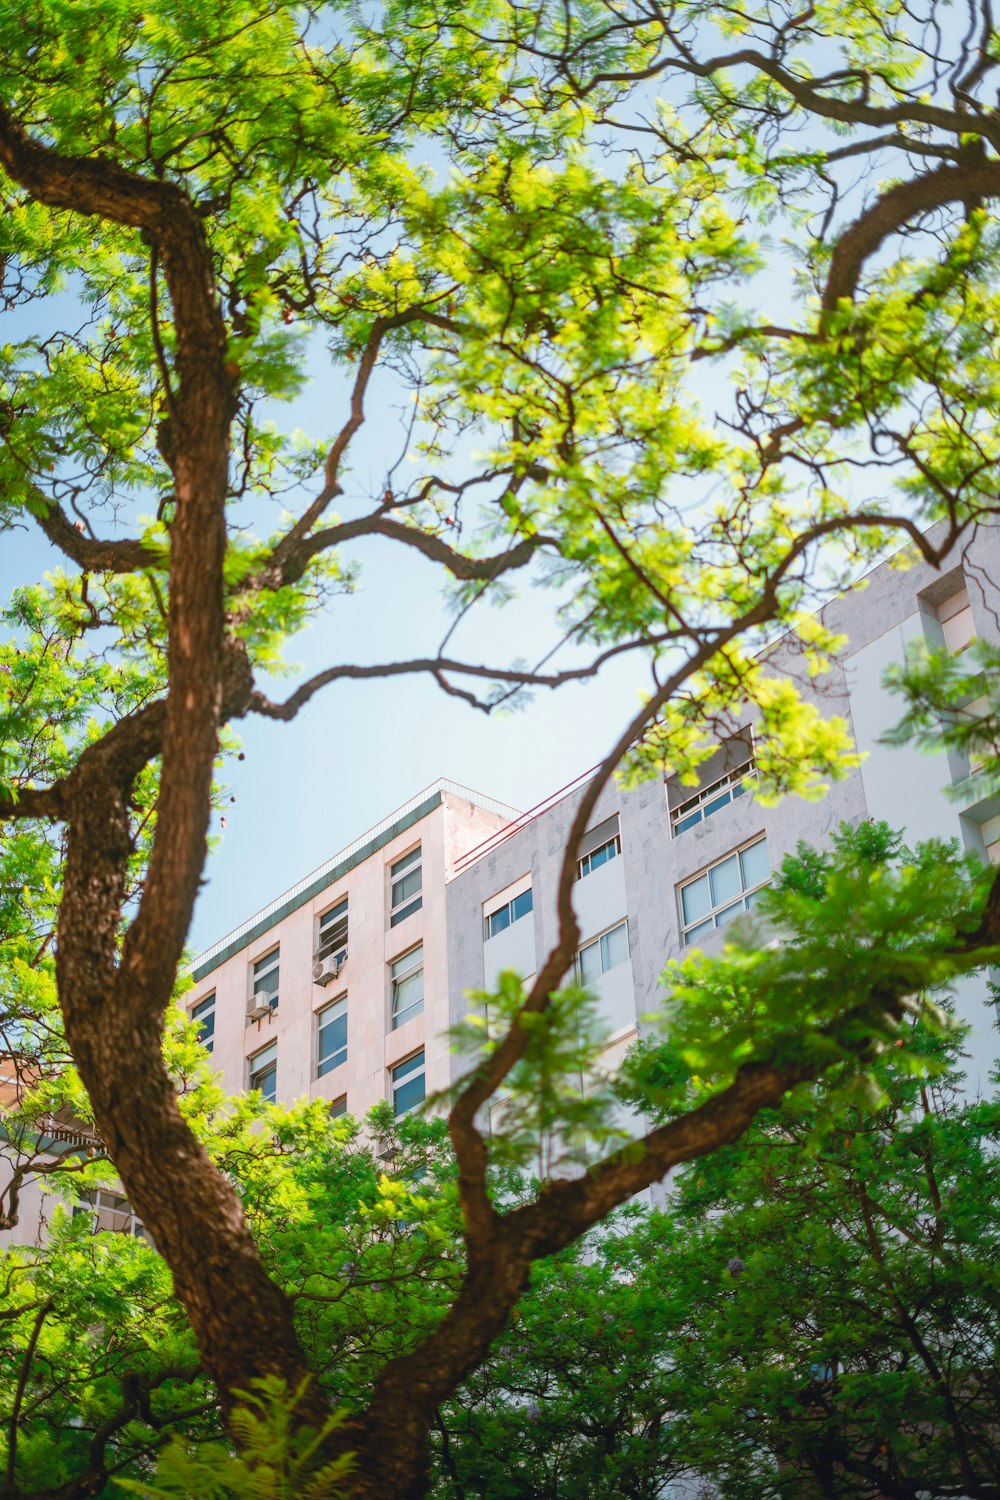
(325, 970)
(261, 1003)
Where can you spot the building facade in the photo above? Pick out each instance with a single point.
(665, 865)
(345, 987)
(340, 988)
(661, 867)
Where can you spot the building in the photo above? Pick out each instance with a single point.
(666, 865)
(662, 866)
(340, 988)
(344, 988)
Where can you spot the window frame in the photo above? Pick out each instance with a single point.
(958, 627)
(587, 859)
(113, 1204)
(691, 930)
(273, 968)
(204, 1010)
(416, 954)
(325, 1065)
(721, 793)
(412, 862)
(599, 942)
(411, 1076)
(255, 1068)
(329, 946)
(508, 906)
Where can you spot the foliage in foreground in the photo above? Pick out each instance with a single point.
(811, 1310)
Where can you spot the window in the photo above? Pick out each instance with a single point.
(265, 979)
(990, 831)
(331, 1036)
(110, 1211)
(604, 953)
(724, 890)
(407, 986)
(405, 885)
(204, 1014)
(338, 1107)
(408, 1083)
(504, 916)
(955, 615)
(597, 846)
(264, 1072)
(709, 799)
(333, 933)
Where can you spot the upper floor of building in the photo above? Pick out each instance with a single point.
(346, 987)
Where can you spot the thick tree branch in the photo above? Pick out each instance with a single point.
(92, 554)
(49, 804)
(896, 208)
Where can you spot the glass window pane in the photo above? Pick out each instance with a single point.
(590, 964)
(696, 932)
(725, 878)
(411, 960)
(717, 802)
(265, 974)
(756, 866)
(499, 920)
(520, 906)
(409, 1094)
(406, 911)
(689, 821)
(264, 1071)
(603, 854)
(696, 899)
(333, 915)
(265, 1056)
(204, 1014)
(728, 913)
(407, 997)
(614, 947)
(406, 861)
(338, 1107)
(404, 1069)
(331, 1046)
(408, 885)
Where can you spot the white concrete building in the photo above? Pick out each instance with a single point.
(666, 865)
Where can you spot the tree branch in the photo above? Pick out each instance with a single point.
(895, 208)
(91, 554)
(436, 666)
(294, 560)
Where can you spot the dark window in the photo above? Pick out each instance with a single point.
(331, 1036)
(405, 886)
(408, 1083)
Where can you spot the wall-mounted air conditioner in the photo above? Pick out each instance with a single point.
(325, 970)
(260, 1003)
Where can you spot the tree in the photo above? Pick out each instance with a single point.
(190, 195)
(813, 1312)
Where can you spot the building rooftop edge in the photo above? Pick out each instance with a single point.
(364, 845)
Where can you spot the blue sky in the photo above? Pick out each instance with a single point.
(359, 749)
